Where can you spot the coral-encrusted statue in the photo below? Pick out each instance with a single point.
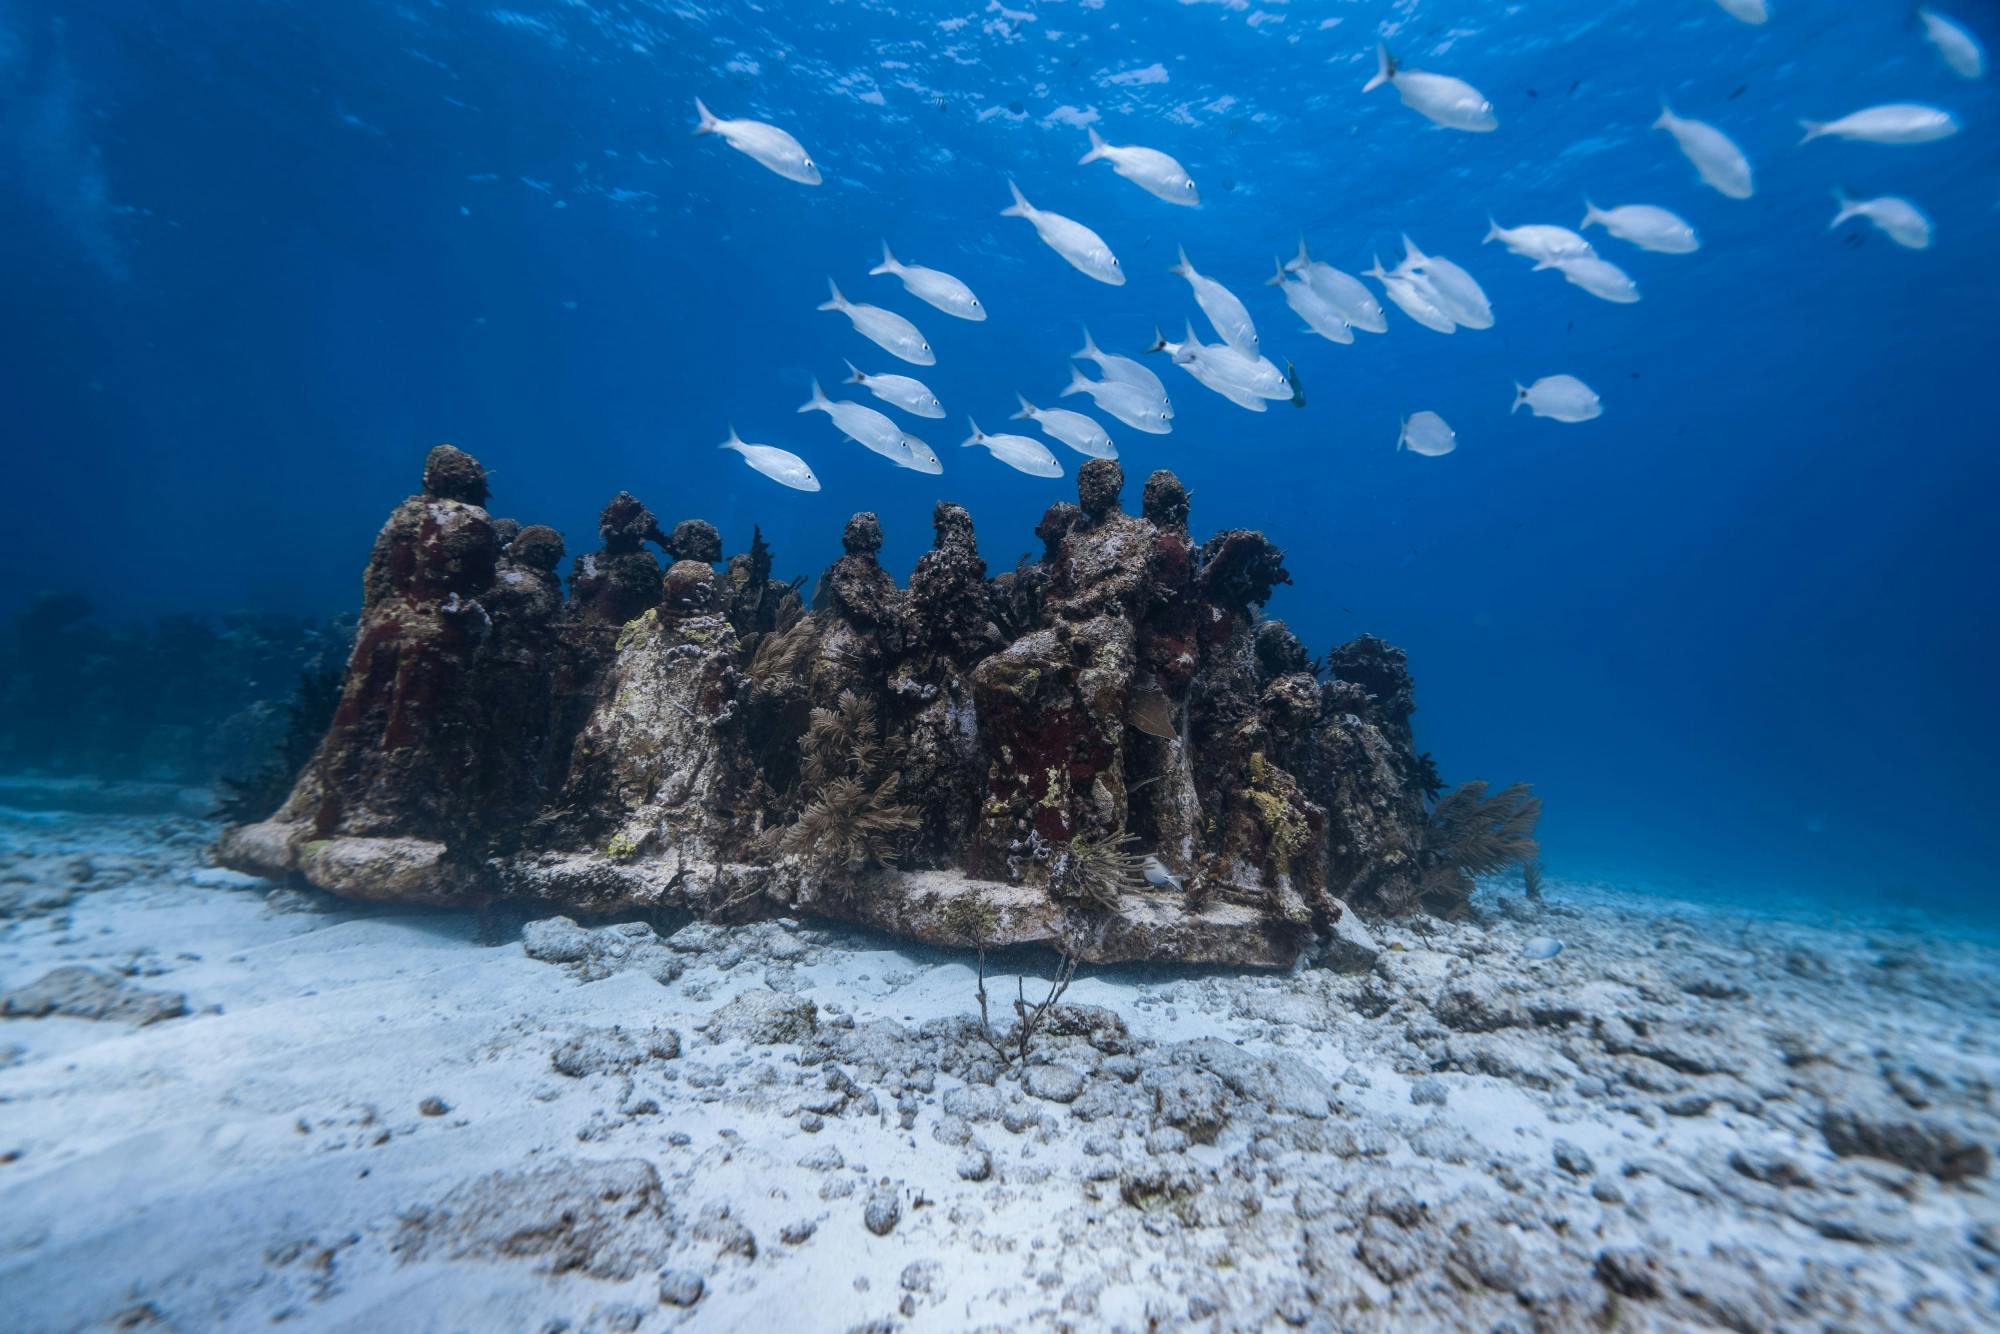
(1107, 748)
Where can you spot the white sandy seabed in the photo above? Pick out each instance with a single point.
(258, 1106)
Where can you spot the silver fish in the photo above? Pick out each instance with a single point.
(1148, 168)
(1136, 407)
(1079, 432)
(766, 144)
(934, 286)
(1123, 369)
(1894, 123)
(1016, 451)
(1225, 311)
(1081, 247)
(780, 465)
(884, 328)
(898, 391)
(1452, 103)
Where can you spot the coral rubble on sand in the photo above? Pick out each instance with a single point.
(968, 760)
(227, 1105)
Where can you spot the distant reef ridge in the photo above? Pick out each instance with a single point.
(1107, 750)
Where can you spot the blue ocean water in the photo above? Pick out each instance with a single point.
(1738, 631)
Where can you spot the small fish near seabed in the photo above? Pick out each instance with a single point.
(765, 144)
(1960, 50)
(1452, 103)
(1898, 219)
(1158, 876)
(1016, 451)
(780, 465)
(1151, 170)
(1892, 123)
(1716, 158)
(1079, 432)
(1225, 310)
(898, 391)
(884, 328)
(1152, 713)
(1645, 226)
(1562, 398)
(1083, 249)
(1541, 947)
(1544, 243)
(934, 286)
(1427, 434)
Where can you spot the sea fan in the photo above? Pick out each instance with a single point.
(849, 825)
(849, 781)
(1471, 834)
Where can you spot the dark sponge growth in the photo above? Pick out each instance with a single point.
(453, 474)
(961, 751)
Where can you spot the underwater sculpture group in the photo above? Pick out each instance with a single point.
(966, 761)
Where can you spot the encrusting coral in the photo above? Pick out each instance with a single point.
(1005, 753)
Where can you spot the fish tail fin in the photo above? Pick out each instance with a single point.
(1813, 128)
(1181, 266)
(888, 264)
(1159, 343)
(706, 122)
(1089, 352)
(1411, 255)
(1492, 231)
(976, 436)
(1520, 397)
(1304, 260)
(1385, 69)
(1020, 208)
(1591, 214)
(1665, 118)
(1096, 150)
(1845, 205)
(1402, 434)
(854, 375)
(834, 302)
(1191, 338)
(818, 401)
(1376, 271)
(1077, 383)
(1277, 279)
(1027, 411)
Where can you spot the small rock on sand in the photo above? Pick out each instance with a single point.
(76, 992)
